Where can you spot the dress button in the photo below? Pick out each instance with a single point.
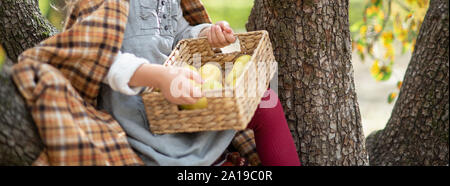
(166, 27)
(162, 2)
(164, 16)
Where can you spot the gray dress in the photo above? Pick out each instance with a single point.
(153, 28)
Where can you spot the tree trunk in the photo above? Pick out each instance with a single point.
(417, 132)
(21, 27)
(311, 41)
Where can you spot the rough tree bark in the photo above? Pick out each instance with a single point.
(311, 41)
(417, 132)
(21, 27)
(20, 143)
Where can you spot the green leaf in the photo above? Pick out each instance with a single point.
(381, 73)
(356, 26)
(399, 85)
(391, 97)
(378, 3)
(362, 56)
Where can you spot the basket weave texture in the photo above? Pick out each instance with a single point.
(229, 108)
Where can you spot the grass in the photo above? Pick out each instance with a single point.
(236, 12)
(356, 9)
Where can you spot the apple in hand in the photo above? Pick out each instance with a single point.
(200, 104)
(203, 102)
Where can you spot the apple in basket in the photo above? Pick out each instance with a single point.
(211, 72)
(190, 67)
(210, 75)
(237, 70)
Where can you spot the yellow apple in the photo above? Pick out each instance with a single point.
(211, 85)
(237, 69)
(210, 72)
(200, 104)
(231, 77)
(190, 67)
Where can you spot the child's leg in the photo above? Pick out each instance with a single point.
(274, 142)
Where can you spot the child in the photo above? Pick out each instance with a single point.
(153, 29)
(60, 80)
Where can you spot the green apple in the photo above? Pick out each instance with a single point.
(237, 70)
(210, 72)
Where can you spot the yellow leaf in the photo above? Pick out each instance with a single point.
(381, 14)
(363, 30)
(375, 69)
(410, 1)
(377, 28)
(380, 73)
(408, 16)
(392, 97)
(389, 52)
(371, 10)
(399, 84)
(360, 48)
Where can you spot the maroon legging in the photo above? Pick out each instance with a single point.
(274, 142)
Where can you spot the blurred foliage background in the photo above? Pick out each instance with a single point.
(375, 25)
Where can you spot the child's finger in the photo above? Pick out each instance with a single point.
(191, 94)
(225, 26)
(209, 36)
(194, 76)
(188, 101)
(220, 37)
(214, 41)
(230, 37)
(195, 92)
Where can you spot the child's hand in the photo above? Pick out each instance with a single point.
(219, 35)
(177, 85)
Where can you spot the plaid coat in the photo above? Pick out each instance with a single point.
(60, 80)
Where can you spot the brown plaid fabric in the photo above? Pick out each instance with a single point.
(244, 143)
(60, 80)
(194, 12)
(74, 133)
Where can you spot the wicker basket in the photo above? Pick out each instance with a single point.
(229, 108)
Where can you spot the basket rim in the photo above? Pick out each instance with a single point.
(263, 32)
